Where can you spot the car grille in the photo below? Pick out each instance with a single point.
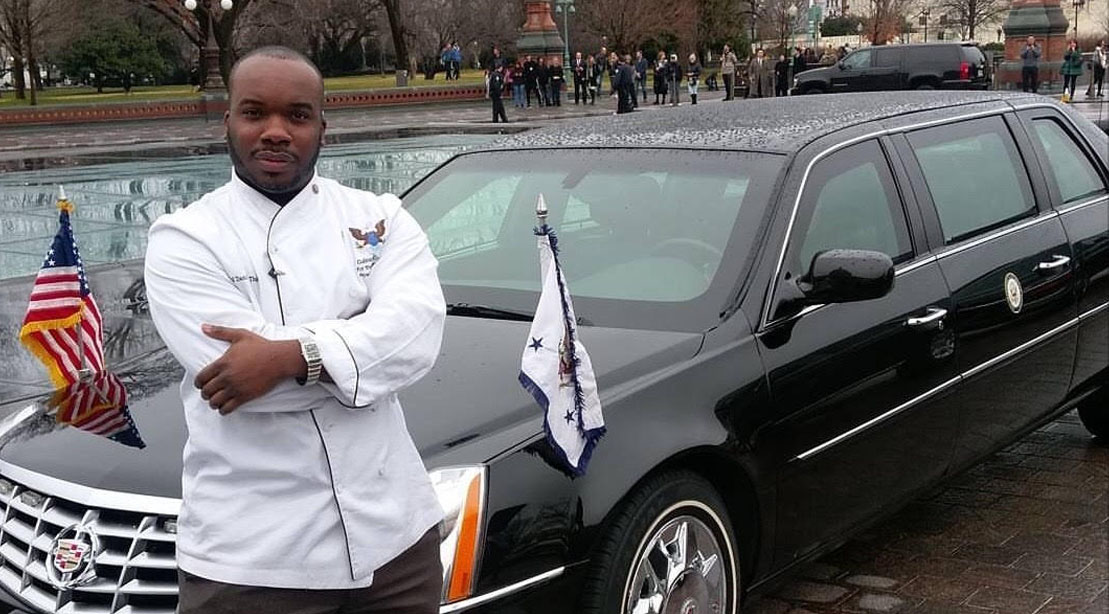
(136, 570)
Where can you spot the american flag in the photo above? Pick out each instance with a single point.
(98, 406)
(63, 328)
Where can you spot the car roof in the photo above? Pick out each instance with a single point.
(780, 125)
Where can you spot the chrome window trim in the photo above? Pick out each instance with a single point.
(1016, 227)
(1096, 200)
(951, 382)
(473, 602)
(89, 496)
(765, 319)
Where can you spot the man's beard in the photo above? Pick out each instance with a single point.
(296, 184)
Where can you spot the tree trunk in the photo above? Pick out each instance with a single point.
(396, 27)
(17, 77)
(29, 45)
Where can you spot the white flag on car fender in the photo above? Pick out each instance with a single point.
(555, 367)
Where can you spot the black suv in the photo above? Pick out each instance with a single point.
(927, 66)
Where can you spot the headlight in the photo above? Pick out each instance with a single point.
(461, 492)
(796, 80)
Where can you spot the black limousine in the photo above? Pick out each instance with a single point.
(798, 322)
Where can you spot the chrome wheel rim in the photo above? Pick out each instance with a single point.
(682, 567)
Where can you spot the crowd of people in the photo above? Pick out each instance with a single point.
(627, 78)
(538, 81)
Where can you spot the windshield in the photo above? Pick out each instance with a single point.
(643, 234)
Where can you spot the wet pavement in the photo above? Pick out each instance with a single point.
(1024, 532)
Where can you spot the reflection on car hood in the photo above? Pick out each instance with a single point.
(468, 408)
(820, 74)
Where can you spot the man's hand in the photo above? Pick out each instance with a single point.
(250, 368)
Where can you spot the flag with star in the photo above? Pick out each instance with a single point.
(63, 329)
(555, 367)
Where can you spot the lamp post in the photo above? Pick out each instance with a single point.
(792, 12)
(565, 7)
(1077, 5)
(859, 32)
(213, 79)
(924, 22)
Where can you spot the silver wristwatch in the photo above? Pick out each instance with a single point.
(311, 353)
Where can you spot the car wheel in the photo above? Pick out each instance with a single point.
(813, 90)
(925, 86)
(1094, 413)
(670, 550)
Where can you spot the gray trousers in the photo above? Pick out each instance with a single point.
(409, 584)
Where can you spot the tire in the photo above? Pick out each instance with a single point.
(812, 90)
(1094, 413)
(671, 508)
(925, 86)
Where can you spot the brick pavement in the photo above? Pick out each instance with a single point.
(1024, 532)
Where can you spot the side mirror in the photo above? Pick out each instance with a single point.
(846, 276)
(837, 276)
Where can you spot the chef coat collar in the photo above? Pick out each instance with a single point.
(245, 189)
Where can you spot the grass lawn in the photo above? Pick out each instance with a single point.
(88, 95)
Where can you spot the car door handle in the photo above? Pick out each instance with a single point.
(934, 318)
(1056, 262)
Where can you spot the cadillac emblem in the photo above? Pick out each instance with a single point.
(1014, 294)
(72, 557)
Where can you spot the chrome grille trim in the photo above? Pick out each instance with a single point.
(136, 566)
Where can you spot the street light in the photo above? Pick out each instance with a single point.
(1077, 5)
(859, 31)
(565, 7)
(924, 22)
(213, 79)
(792, 11)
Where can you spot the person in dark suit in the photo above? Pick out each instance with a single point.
(623, 82)
(543, 75)
(531, 80)
(781, 76)
(592, 79)
(661, 75)
(496, 89)
(641, 64)
(557, 78)
(577, 70)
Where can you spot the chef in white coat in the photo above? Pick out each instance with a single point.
(299, 308)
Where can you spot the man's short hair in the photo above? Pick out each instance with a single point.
(275, 51)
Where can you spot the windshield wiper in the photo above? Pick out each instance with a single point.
(485, 311)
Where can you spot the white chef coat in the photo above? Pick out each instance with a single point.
(308, 486)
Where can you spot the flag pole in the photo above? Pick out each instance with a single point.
(541, 213)
(84, 374)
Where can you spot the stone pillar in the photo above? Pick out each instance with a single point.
(539, 36)
(1045, 20)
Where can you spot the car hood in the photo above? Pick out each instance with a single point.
(469, 408)
(817, 74)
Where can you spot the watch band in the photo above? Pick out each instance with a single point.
(311, 354)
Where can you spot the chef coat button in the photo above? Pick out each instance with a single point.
(315, 189)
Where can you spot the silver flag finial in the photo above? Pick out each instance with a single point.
(541, 210)
(61, 192)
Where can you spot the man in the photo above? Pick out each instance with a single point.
(760, 76)
(531, 81)
(557, 76)
(496, 88)
(603, 66)
(302, 490)
(1030, 71)
(624, 83)
(1101, 63)
(641, 74)
(613, 66)
(578, 70)
(675, 75)
(543, 77)
(728, 62)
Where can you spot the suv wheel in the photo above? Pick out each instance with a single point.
(925, 85)
(1094, 413)
(813, 89)
(669, 549)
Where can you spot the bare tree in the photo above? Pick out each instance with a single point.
(12, 38)
(781, 18)
(718, 22)
(194, 24)
(24, 26)
(969, 15)
(629, 23)
(885, 19)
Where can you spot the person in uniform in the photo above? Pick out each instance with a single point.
(298, 308)
(496, 90)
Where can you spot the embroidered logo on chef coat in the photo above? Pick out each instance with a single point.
(372, 241)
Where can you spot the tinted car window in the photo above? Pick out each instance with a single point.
(857, 60)
(1069, 168)
(889, 58)
(932, 55)
(643, 234)
(851, 202)
(975, 175)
